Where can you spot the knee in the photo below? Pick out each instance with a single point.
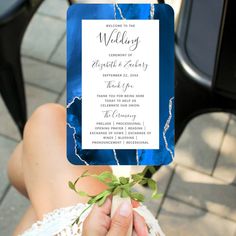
(45, 117)
(15, 170)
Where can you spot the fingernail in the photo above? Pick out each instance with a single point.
(125, 209)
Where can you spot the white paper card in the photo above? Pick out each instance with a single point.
(120, 84)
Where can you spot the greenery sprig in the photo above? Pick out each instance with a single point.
(122, 186)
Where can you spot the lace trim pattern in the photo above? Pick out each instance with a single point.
(59, 222)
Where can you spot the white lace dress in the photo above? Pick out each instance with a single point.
(59, 222)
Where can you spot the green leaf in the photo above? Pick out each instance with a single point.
(126, 187)
(101, 201)
(91, 201)
(116, 190)
(124, 180)
(152, 184)
(151, 169)
(105, 176)
(144, 181)
(95, 199)
(111, 185)
(137, 196)
(71, 185)
(157, 195)
(124, 194)
(137, 177)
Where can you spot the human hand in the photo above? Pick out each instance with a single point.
(99, 223)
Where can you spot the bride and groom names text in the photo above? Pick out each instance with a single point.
(128, 64)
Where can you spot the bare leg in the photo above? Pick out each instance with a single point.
(15, 170)
(45, 169)
(27, 220)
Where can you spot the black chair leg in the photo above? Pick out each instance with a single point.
(191, 100)
(12, 91)
(11, 78)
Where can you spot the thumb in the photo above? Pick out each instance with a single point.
(121, 221)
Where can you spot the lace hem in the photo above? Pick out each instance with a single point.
(59, 222)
